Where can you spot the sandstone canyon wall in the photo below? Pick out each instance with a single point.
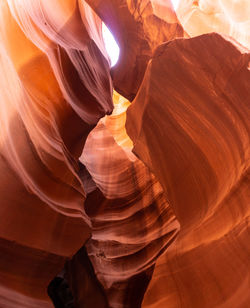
(135, 198)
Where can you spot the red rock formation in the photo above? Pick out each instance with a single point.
(55, 86)
(196, 141)
(189, 123)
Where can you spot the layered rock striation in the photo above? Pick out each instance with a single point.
(140, 200)
(190, 125)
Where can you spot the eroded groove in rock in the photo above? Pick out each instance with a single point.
(190, 125)
(132, 223)
(54, 87)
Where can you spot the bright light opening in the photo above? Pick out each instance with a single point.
(112, 48)
(175, 4)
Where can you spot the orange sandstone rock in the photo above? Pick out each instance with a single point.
(47, 110)
(190, 123)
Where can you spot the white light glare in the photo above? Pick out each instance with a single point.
(112, 48)
(175, 4)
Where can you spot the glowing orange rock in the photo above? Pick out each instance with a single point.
(47, 110)
(190, 122)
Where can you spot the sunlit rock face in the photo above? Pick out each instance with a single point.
(132, 223)
(135, 198)
(229, 17)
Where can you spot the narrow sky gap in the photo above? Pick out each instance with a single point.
(175, 4)
(112, 47)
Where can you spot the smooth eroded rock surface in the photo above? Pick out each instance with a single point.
(54, 87)
(93, 215)
(190, 124)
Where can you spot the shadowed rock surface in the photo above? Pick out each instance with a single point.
(196, 141)
(139, 27)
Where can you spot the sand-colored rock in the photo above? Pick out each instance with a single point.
(228, 17)
(132, 223)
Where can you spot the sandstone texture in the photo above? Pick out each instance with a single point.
(193, 132)
(124, 186)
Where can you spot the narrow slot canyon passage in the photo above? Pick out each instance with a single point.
(124, 153)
